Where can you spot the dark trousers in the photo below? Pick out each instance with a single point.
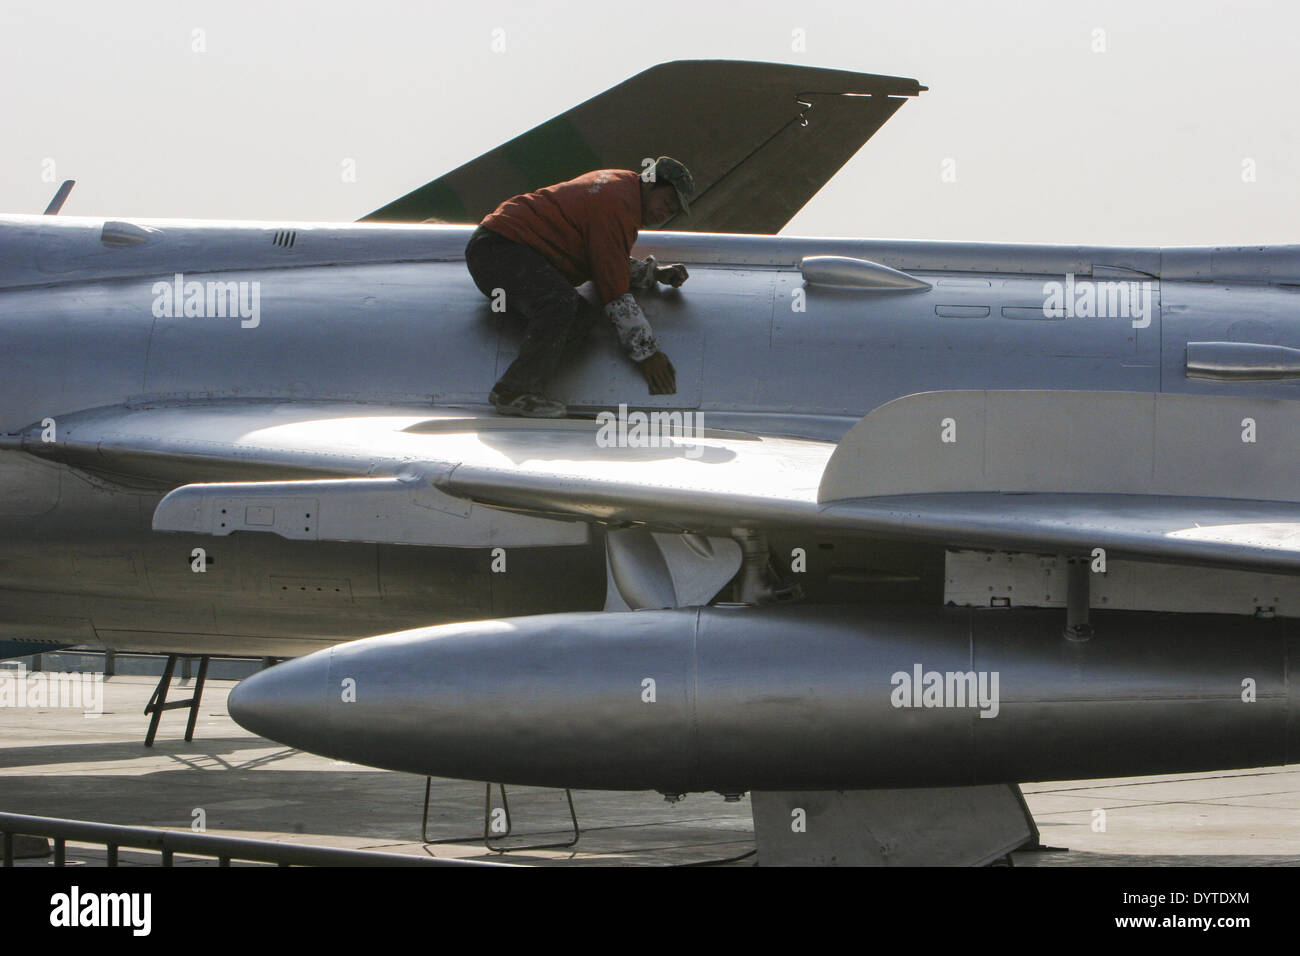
(558, 319)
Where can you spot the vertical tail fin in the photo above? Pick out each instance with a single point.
(760, 140)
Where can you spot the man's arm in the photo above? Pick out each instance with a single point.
(613, 273)
(638, 341)
(609, 241)
(634, 332)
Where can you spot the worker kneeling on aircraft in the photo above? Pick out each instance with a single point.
(538, 246)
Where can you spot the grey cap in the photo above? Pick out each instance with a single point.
(669, 170)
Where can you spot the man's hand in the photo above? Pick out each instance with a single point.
(673, 275)
(659, 374)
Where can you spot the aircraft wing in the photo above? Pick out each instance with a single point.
(760, 140)
(1181, 479)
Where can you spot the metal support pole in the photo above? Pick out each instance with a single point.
(1078, 598)
(752, 586)
(158, 702)
(488, 836)
(197, 698)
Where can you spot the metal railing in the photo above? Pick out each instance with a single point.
(223, 848)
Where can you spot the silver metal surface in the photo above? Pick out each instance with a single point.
(1077, 442)
(992, 579)
(266, 437)
(792, 698)
(379, 510)
(1241, 361)
(654, 570)
(366, 321)
(847, 273)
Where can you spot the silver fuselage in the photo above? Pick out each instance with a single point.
(388, 315)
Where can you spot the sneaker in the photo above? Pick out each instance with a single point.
(528, 405)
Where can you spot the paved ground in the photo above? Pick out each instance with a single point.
(59, 763)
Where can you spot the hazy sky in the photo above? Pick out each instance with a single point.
(1156, 139)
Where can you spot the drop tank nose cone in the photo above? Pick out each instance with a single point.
(286, 703)
(544, 699)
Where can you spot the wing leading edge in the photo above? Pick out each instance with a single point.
(1151, 477)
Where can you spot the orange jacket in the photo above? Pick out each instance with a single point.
(585, 227)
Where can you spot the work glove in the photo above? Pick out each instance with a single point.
(673, 275)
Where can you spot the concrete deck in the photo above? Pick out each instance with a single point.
(60, 763)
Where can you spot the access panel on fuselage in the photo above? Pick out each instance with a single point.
(70, 348)
(851, 350)
(393, 332)
(1228, 312)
